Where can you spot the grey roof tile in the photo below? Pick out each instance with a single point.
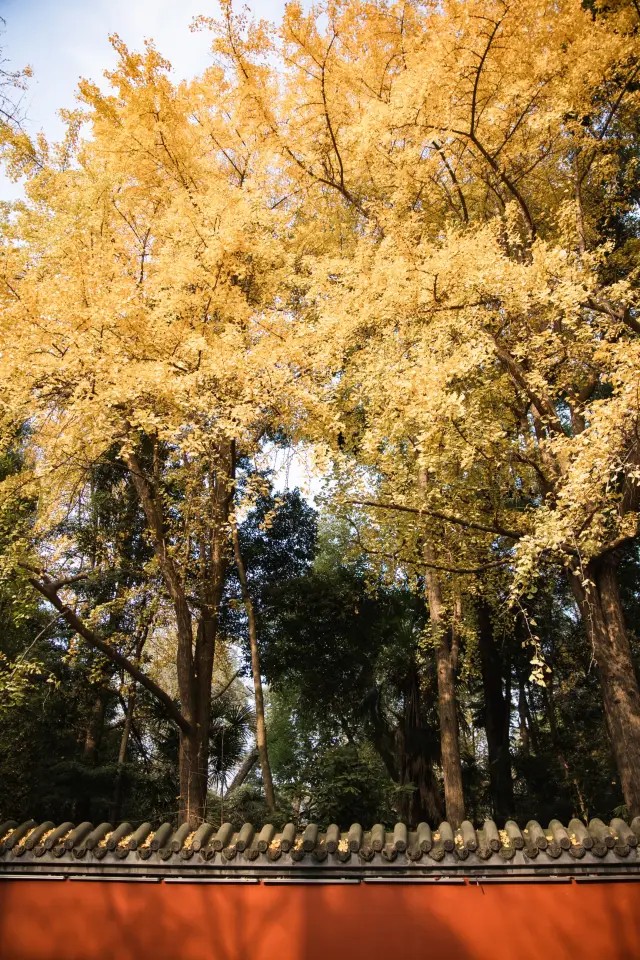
(577, 848)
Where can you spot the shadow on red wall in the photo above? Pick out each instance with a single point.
(90, 920)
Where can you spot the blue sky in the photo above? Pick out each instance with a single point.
(64, 40)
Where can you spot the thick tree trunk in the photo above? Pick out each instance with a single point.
(447, 707)
(193, 777)
(414, 760)
(602, 612)
(197, 679)
(261, 726)
(496, 718)
(415, 763)
(449, 735)
(408, 754)
(407, 758)
(196, 778)
(192, 754)
(194, 674)
(424, 803)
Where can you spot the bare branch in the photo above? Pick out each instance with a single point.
(476, 83)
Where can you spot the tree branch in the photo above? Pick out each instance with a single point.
(509, 184)
(49, 591)
(620, 315)
(244, 770)
(438, 515)
(454, 180)
(421, 562)
(612, 113)
(155, 521)
(221, 693)
(543, 404)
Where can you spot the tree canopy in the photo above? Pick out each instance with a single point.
(402, 238)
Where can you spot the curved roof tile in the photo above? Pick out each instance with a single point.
(577, 849)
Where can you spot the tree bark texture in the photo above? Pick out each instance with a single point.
(447, 707)
(601, 609)
(496, 717)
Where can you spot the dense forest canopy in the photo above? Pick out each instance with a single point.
(402, 238)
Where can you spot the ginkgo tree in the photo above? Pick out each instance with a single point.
(405, 232)
(467, 180)
(134, 277)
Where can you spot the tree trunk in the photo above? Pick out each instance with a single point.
(244, 770)
(197, 778)
(408, 754)
(116, 807)
(449, 735)
(194, 666)
(496, 718)
(424, 802)
(194, 747)
(602, 612)
(193, 778)
(414, 758)
(523, 712)
(261, 726)
(93, 735)
(95, 726)
(192, 756)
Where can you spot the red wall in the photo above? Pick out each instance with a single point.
(89, 920)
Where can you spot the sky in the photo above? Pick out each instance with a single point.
(64, 40)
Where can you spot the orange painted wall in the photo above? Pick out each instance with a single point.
(88, 920)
